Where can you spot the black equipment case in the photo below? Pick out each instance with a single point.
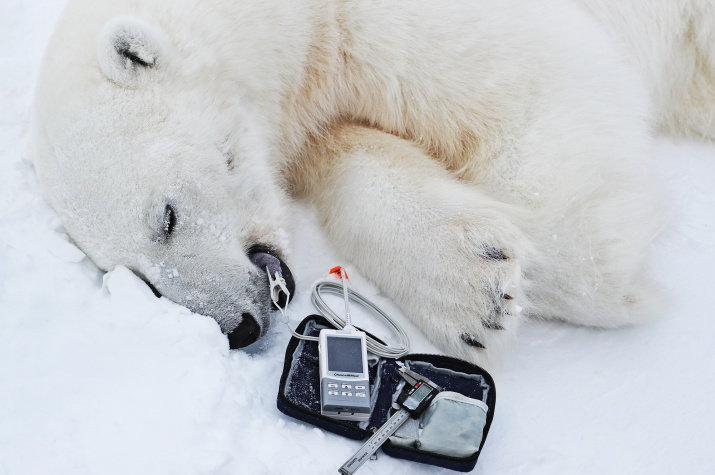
(467, 425)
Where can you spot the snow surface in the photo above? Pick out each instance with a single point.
(99, 377)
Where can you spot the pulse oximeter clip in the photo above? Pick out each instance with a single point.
(277, 284)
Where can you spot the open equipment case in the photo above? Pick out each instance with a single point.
(449, 434)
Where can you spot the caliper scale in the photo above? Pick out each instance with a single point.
(415, 398)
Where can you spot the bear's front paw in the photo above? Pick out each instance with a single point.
(474, 307)
(495, 283)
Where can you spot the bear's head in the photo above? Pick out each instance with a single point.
(160, 164)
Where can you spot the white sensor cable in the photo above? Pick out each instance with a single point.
(277, 284)
(348, 319)
(373, 346)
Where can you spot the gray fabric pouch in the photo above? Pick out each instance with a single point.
(452, 425)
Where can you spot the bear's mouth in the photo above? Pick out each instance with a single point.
(263, 256)
(157, 294)
(265, 259)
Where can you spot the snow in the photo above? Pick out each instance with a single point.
(99, 376)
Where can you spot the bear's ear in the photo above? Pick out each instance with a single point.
(128, 48)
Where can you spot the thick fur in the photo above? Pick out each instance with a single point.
(672, 44)
(479, 161)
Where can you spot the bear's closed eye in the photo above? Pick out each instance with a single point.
(169, 220)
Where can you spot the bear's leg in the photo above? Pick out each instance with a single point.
(446, 253)
(702, 91)
(674, 44)
(691, 72)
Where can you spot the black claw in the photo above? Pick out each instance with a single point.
(508, 297)
(493, 326)
(469, 340)
(494, 253)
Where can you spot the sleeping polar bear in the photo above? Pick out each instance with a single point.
(481, 162)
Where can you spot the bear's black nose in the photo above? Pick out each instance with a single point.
(245, 333)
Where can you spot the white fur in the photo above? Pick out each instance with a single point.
(672, 44)
(434, 139)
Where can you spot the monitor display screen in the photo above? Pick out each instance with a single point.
(344, 354)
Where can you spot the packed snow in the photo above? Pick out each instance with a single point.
(97, 376)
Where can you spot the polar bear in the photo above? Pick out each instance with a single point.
(481, 162)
